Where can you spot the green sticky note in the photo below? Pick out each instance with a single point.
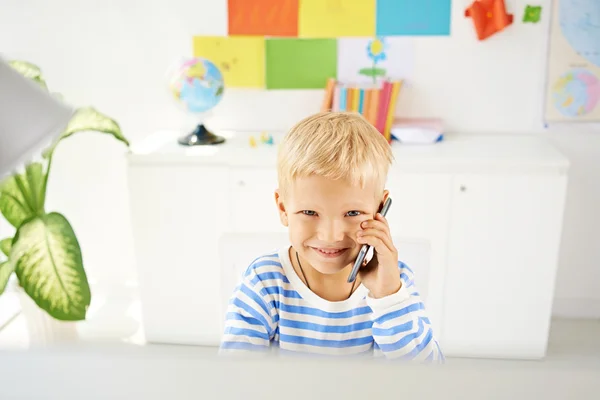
(532, 14)
(300, 63)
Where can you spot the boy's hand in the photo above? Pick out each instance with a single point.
(380, 275)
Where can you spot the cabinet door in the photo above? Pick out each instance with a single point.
(253, 207)
(178, 215)
(420, 215)
(503, 248)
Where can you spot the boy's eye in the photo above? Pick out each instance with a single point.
(310, 213)
(353, 213)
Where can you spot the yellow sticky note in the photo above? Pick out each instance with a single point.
(241, 59)
(334, 18)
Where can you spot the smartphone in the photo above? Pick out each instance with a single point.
(365, 248)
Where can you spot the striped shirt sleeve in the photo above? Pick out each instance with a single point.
(249, 322)
(401, 328)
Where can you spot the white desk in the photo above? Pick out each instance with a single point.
(180, 372)
(478, 217)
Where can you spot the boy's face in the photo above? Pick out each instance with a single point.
(324, 217)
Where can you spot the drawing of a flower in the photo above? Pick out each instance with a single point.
(376, 52)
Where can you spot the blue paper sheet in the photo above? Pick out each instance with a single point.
(413, 17)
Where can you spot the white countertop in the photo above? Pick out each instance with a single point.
(112, 360)
(120, 370)
(457, 153)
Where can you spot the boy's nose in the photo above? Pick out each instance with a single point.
(332, 231)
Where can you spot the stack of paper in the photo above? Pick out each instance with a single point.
(418, 130)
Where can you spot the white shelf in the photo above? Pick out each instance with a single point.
(457, 153)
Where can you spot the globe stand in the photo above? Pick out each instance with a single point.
(200, 137)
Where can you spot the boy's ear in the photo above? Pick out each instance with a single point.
(281, 208)
(386, 194)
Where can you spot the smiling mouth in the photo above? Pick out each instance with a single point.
(329, 253)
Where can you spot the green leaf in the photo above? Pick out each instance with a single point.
(47, 260)
(5, 245)
(12, 203)
(29, 71)
(372, 72)
(41, 82)
(35, 185)
(22, 196)
(6, 271)
(88, 119)
(26, 69)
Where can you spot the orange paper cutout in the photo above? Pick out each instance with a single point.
(489, 17)
(263, 17)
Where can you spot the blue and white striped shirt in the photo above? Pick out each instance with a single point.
(272, 306)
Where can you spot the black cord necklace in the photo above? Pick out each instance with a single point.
(306, 280)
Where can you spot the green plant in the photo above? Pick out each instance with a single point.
(44, 253)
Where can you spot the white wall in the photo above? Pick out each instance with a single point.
(114, 53)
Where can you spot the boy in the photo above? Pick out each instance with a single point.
(332, 168)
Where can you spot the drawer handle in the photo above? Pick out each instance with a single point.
(463, 188)
(241, 183)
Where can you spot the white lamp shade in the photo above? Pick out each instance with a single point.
(30, 119)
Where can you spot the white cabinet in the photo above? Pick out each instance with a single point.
(503, 244)
(478, 218)
(177, 215)
(252, 200)
(420, 212)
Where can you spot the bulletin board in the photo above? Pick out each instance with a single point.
(573, 72)
(300, 44)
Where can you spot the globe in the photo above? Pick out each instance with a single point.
(197, 85)
(576, 93)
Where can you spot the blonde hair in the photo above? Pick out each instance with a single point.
(334, 145)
